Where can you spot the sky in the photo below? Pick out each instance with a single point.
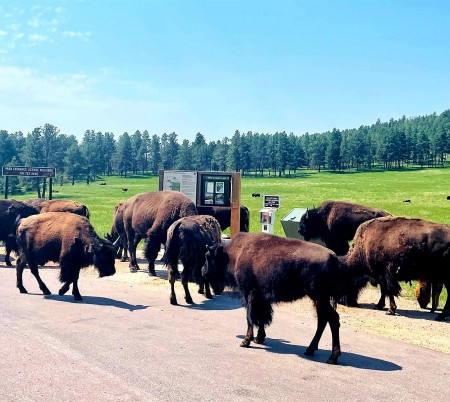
(217, 66)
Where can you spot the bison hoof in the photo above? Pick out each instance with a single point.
(309, 351)
(46, 292)
(78, 298)
(378, 306)
(124, 259)
(245, 343)
(152, 273)
(210, 296)
(390, 312)
(173, 301)
(23, 290)
(333, 359)
(133, 269)
(440, 317)
(189, 300)
(8, 263)
(259, 341)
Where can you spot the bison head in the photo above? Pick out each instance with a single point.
(215, 268)
(310, 224)
(423, 293)
(104, 257)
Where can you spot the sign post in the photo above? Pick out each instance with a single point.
(267, 214)
(31, 172)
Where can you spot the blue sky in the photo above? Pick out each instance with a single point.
(216, 66)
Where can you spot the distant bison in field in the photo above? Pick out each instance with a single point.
(392, 249)
(149, 216)
(66, 238)
(268, 269)
(187, 239)
(335, 223)
(60, 206)
(223, 216)
(256, 195)
(10, 211)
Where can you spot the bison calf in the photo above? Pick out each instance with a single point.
(269, 269)
(65, 238)
(187, 239)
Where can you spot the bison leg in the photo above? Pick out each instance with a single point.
(34, 270)
(392, 306)
(173, 297)
(75, 290)
(20, 265)
(260, 336)
(184, 281)
(8, 249)
(326, 313)
(152, 248)
(132, 245)
(249, 337)
(64, 289)
(446, 309)
(436, 289)
(203, 288)
(259, 313)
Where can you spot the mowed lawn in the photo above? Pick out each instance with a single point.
(426, 191)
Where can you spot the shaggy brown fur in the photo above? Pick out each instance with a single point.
(335, 223)
(223, 216)
(10, 212)
(65, 238)
(392, 249)
(269, 269)
(61, 206)
(149, 215)
(187, 239)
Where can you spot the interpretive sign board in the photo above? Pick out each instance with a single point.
(28, 171)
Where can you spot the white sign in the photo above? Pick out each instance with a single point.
(183, 181)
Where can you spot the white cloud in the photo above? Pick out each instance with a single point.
(78, 34)
(37, 38)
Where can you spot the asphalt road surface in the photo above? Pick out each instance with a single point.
(125, 342)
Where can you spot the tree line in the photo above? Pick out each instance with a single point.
(423, 141)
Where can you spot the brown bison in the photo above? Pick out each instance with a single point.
(118, 233)
(65, 238)
(61, 206)
(426, 291)
(335, 223)
(149, 215)
(268, 269)
(187, 239)
(10, 211)
(223, 216)
(392, 249)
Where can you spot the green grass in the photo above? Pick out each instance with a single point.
(426, 188)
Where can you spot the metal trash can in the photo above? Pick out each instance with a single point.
(290, 225)
(291, 221)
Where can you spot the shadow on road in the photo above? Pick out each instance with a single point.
(226, 301)
(417, 314)
(98, 301)
(347, 359)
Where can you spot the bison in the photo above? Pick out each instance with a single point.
(426, 291)
(187, 239)
(149, 215)
(268, 269)
(335, 223)
(223, 216)
(61, 206)
(392, 249)
(118, 233)
(10, 211)
(66, 238)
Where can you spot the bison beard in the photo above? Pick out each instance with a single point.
(288, 270)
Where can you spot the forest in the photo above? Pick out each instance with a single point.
(422, 141)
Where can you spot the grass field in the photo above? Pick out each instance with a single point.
(427, 190)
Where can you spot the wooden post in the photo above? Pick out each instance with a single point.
(50, 188)
(6, 187)
(235, 204)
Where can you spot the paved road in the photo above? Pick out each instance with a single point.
(125, 342)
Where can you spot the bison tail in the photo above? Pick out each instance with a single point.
(172, 249)
(259, 310)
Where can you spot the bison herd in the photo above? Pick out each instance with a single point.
(265, 269)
